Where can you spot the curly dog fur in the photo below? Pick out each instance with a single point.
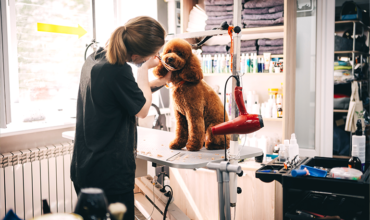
(197, 106)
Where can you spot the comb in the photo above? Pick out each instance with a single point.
(168, 67)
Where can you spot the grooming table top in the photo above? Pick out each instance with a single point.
(153, 146)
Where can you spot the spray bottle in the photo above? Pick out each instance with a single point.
(293, 148)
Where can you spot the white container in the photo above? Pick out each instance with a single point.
(293, 148)
(287, 150)
(277, 69)
(256, 109)
(274, 111)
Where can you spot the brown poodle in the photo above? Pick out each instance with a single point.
(197, 106)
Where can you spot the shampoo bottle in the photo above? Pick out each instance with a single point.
(255, 63)
(228, 63)
(354, 161)
(359, 140)
(293, 147)
(247, 64)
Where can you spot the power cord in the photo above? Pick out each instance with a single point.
(238, 84)
(170, 195)
(150, 216)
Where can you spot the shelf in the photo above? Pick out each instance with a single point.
(247, 74)
(259, 30)
(340, 111)
(344, 25)
(196, 34)
(350, 52)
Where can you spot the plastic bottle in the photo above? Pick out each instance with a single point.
(287, 151)
(228, 63)
(354, 161)
(242, 64)
(223, 60)
(282, 153)
(293, 147)
(256, 108)
(220, 67)
(247, 64)
(259, 65)
(276, 150)
(274, 111)
(359, 140)
(255, 63)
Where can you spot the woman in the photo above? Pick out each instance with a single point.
(109, 100)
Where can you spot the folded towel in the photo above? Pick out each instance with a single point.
(218, 13)
(263, 22)
(220, 17)
(260, 3)
(255, 11)
(273, 52)
(218, 21)
(215, 49)
(263, 16)
(274, 42)
(218, 2)
(243, 50)
(270, 48)
(251, 48)
(218, 7)
(276, 9)
(342, 67)
(246, 43)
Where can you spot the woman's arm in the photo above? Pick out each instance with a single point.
(143, 83)
(157, 84)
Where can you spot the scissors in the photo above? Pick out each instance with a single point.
(168, 67)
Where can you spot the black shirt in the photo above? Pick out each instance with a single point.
(105, 141)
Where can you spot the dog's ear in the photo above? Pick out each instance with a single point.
(159, 71)
(192, 72)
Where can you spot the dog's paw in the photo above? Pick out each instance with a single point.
(176, 145)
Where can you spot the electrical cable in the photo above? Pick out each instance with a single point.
(238, 84)
(153, 204)
(168, 202)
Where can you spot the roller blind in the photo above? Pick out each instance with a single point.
(4, 68)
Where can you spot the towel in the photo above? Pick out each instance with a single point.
(263, 22)
(218, 2)
(218, 7)
(261, 25)
(218, 21)
(220, 17)
(215, 49)
(252, 48)
(274, 42)
(263, 16)
(218, 13)
(246, 43)
(270, 48)
(255, 11)
(276, 9)
(261, 3)
(273, 52)
(243, 50)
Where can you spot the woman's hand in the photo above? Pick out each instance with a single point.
(151, 63)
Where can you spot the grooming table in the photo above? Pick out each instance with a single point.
(153, 146)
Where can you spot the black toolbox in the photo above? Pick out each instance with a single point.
(306, 196)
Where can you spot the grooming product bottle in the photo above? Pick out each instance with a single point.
(259, 64)
(287, 150)
(354, 161)
(220, 64)
(255, 63)
(276, 150)
(242, 64)
(280, 111)
(294, 147)
(228, 63)
(215, 63)
(274, 111)
(224, 66)
(247, 64)
(359, 140)
(282, 154)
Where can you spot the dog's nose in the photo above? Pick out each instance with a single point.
(170, 59)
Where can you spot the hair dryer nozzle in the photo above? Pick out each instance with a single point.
(244, 124)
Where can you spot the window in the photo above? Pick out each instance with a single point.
(44, 85)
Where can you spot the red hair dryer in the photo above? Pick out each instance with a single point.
(244, 124)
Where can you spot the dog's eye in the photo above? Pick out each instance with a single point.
(179, 53)
(169, 51)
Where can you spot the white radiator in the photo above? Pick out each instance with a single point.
(29, 176)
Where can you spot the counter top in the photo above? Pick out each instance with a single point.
(153, 146)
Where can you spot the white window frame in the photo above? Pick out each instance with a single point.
(5, 112)
(325, 27)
